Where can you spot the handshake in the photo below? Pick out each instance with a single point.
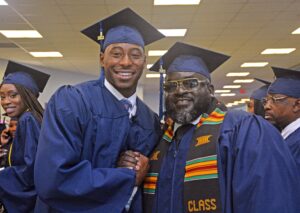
(136, 161)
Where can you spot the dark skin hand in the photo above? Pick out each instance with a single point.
(137, 162)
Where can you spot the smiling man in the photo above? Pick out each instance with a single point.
(87, 126)
(211, 160)
(282, 107)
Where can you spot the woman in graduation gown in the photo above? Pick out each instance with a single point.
(19, 91)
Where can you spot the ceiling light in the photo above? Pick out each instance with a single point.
(149, 66)
(153, 75)
(231, 86)
(222, 90)
(176, 2)
(254, 64)
(297, 31)
(243, 81)
(173, 32)
(278, 51)
(229, 105)
(228, 94)
(2, 2)
(156, 52)
(245, 99)
(46, 54)
(232, 74)
(21, 34)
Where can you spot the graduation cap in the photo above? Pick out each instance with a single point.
(287, 82)
(125, 26)
(183, 57)
(262, 91)
(30, 78)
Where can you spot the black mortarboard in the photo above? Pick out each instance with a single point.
(30, 78)
(262, 91)
(183, 57)
(125, 26)
(287, 82)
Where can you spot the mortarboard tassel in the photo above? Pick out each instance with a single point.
(100, 38)
(161, 92)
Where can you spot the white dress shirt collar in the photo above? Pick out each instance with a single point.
(289, 129)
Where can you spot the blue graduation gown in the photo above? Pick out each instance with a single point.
(17, 190)
(85, 129)
(293, 142)
(256, 171)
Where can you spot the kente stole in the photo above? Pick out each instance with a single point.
(201, 184)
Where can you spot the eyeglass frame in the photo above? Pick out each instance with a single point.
(180, 84)
(275, 100)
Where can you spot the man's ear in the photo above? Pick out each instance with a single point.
(101, 59)
(211, 90)
(296, 107)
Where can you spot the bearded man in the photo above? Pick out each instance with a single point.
(211, 159)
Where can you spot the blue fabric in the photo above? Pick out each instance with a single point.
(17, 190)
(260, 93)
(123, 34)
(256, 170)
(22, 78)
(85, 128)
(189, 63)
(286, 86)
(293, 142)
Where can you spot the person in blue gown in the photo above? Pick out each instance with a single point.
(255, 104)
(282, 107)
(19, 91)
(87, 127)
(210, 159)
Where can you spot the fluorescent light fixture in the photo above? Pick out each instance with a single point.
(228, 94)
(156, 52)
(149, 66)
(222, 90)
(278, 51)
(297, 31)
(176, 2)
(173, 32)
(243, 81)
(153, 75)
(231, 86)
(245, 99)
(21, 34)
(234, 74)
(254, 64)
(46, 54)
(229, 105)
(2, 2)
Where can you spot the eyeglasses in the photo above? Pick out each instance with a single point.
(187, 84)
(273, 99)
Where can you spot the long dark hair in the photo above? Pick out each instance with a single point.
(31, 102)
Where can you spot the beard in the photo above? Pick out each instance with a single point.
(185, 115)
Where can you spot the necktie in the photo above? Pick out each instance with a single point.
(127, 104)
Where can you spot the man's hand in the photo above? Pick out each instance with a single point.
(136, 161)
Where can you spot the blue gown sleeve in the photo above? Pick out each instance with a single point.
(293, 142)
(257, 171)
(64, 180)
(17, 189)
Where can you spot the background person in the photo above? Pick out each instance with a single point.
(19, 91)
